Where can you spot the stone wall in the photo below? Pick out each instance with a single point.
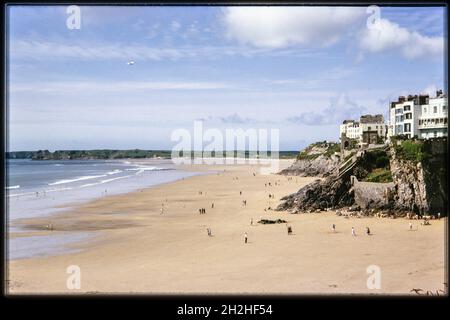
(370, 195)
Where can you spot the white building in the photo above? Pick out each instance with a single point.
(368, 130)
(433, 120)
(419, 116)
(350, 129)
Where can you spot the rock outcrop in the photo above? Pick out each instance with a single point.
(419, 175)
(321, 166)
(331, 192)
(317, 160)
(421, 183)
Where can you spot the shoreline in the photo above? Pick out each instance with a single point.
(140, 250)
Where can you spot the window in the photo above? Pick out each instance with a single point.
(408, 115)
(424, 110)
(407, 108)
(435, 109)
(407, 127)
(369, 128)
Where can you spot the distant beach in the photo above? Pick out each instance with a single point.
(156, 240)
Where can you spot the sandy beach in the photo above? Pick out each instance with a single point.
(137, 248)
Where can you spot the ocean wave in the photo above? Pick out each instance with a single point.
(116, 171)
(75, 180)
(21, 194)
(13, 187)
(147, 169)
(40, 193)
(103, 181)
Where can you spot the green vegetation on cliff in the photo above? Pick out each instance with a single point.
(317, 149)
(374, 167)
(379, 175)
(411, 150)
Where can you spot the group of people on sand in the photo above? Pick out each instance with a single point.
(353, 231)
(368, 232)
(202, 210)
(271, 195)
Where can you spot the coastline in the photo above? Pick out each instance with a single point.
(140, 248)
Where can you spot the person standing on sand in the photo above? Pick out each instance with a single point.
(212, 205)
(289, 230)
(245, 237)
(368, 231)
(333, 227)
(251, 221)
(410, 226)
(353, 232)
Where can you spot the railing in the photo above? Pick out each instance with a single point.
(432, 125)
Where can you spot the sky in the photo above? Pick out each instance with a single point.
(301, 70)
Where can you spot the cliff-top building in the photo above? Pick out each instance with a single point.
(419, 116)
(370, 129)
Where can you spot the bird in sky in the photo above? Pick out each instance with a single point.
(130, 63)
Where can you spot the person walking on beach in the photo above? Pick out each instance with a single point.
(289, 230)
(353, 232)
(162, 210)
(245, 237)
(368, 231)
(333, 227)
(251, 221)
(410, 226)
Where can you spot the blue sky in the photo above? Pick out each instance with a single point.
(299, 69)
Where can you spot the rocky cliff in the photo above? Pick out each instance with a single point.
(419, 172)
(332, 192)
(419, 182)
(317, 160)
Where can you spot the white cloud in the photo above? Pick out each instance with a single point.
(277, 27)
(341, 107)
(112, 87)
(430, 90)
(236, 119)
(42, 50)
(389, 36)
(175, 25)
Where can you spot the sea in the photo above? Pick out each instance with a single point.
(37, 188)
